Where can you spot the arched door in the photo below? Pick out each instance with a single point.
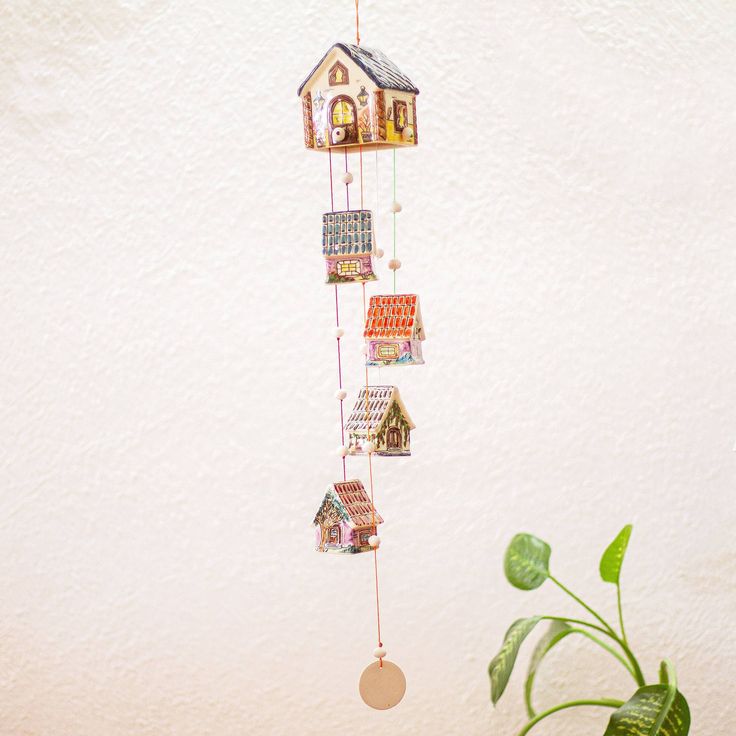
(393, 439)
(334, 535)
(342, 115)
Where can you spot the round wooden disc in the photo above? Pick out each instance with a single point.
(382, 687)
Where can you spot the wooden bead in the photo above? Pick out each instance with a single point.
(379, 652)
(340, 394)
(394, 264)
(395, 207)
(339, 332)
(374, 541)
(347, 178)
(379, 252)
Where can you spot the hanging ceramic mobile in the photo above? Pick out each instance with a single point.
(357, 100)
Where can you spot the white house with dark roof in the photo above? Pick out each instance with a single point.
(356, 96)
(348, 246)
(379, 414)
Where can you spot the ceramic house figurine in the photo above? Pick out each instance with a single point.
(394, 330)
(382, 415)
(344, 522)
(356, 97)
(347, 245)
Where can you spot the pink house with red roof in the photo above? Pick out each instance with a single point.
(346, 519)
(394, 330)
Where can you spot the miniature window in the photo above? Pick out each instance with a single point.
(334, 535)
(342, 113)
(348, 268)
(394, 438)
(401, 115)
(388, 350)
(338, 74)
(364, 537)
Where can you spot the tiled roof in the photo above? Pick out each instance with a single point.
(392, 316)
(375, 64)
(347, 233)
(379, 400)
(353, 503)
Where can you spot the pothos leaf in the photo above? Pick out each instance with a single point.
(654, 710)
(557, 631)
(526, 563)
(613, 557)
(502, 665)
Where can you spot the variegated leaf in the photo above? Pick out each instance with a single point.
(557, 631)
(502, 665)
(613, 557)
(654, 710)
(526, 563)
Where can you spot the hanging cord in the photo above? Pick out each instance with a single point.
(394, 251)
(339, 381)
(360, 151)
(347, 184)
(357, 25)
(337, 336)
(373, 506)
(375, 220)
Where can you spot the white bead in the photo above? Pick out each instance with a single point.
(374, 541)
(347, 178)
(379, 652)
(379, 252)
(340, 394)
(394, 264)
(395, 207)
(339, 332)
(338, 135)
(342, 451)
(368, 447)
(407, 134)
(364, 350)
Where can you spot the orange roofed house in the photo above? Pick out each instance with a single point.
(394, 330)
(346, 519)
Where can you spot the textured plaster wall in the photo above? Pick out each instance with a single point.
(167, 369)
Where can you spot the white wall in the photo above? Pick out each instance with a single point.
(167, 418)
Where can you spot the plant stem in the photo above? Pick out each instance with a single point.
(609, 631)
(620, 613)
(604, 702)
(576, 621)
(528, 688)
(582, 603)
(610, 650)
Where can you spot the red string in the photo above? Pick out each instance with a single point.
(360, 149)
(373, 507)
(332, 194)
(339, 382)
(347, 186)
(375, 562)
(357, 25)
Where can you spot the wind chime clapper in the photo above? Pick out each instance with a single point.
(355, 100)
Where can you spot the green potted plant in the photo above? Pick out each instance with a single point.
(655, 709)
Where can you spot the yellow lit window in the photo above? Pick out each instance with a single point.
(342, 113)
(388, 350)
(348, 268)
